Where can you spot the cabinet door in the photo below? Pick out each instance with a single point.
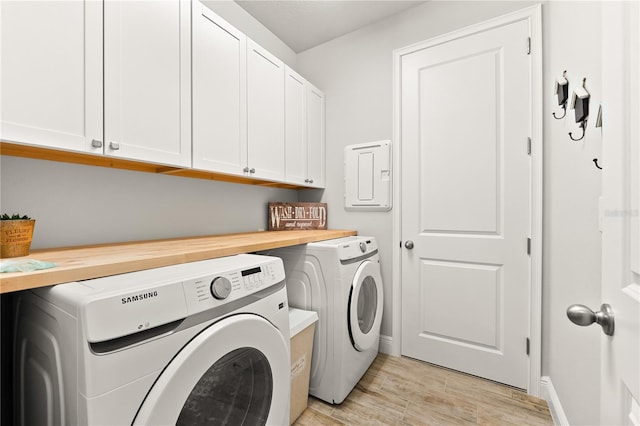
(147, 80)
(219, 93)
(295, 128)
(315, 137)
(51, 56)
(265, 113)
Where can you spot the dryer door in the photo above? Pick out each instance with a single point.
(235, 372)
(365, 306)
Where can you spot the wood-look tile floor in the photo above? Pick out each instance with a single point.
(404, 391)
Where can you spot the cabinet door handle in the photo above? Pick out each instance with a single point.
(114, 145)
(310, 180)
(96, 143)
(246, 170)
(252, 170)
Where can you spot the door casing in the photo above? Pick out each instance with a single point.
(533, 15)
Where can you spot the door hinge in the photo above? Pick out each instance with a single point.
(528, 345)
(529, 246)
(529, 46)
(528, 146)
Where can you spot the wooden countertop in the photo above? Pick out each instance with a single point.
(86, 262)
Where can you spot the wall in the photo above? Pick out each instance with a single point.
(572, 244)
(75, 204)
(355, 72)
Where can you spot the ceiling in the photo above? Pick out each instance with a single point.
(303, 24)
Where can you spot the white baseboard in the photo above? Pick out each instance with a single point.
(548, 393)
(386, 345)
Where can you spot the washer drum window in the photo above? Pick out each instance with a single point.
(235, 390)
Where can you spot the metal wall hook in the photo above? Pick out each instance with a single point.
(583, 126)
(564, 113)
(595, 160)
(562, 91)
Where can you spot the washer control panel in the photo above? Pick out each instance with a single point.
(209, 291)
(140, 300)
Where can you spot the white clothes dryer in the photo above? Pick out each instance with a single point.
(198, 343)
(340, 280)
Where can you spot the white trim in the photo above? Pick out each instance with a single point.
(386, 345)
(533, 15)
(548, 393)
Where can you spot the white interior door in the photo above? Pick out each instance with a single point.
(620, 394)
(465, 122)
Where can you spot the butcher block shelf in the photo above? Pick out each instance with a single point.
(86, 262)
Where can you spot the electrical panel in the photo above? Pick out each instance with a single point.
(367, 176)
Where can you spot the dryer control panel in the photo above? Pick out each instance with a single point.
(357, 248)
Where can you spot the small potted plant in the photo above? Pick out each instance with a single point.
(16, 232)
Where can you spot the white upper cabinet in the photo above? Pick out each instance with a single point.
(166, 82)
(295, 88)
(265, 113)
(304, 132)
(51, 57)
(147, 69)
(219, 94)
(315, 137)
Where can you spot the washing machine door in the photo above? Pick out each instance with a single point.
(235, 372)
(365, 306)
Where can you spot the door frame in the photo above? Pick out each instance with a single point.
(533, 15)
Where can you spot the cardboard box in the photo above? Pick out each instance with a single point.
(302, 325)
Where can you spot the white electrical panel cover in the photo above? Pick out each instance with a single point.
(367, 176)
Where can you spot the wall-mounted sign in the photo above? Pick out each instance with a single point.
(297, 216)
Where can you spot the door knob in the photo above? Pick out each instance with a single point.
(408, 244)
(582, 315)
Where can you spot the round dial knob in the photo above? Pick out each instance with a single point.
(363, 247)
(220, 288)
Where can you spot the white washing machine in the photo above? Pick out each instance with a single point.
(198, 343)
(340, 280)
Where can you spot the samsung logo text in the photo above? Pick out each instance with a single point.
(139, 297)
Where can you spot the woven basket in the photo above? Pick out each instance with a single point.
(15, 237)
